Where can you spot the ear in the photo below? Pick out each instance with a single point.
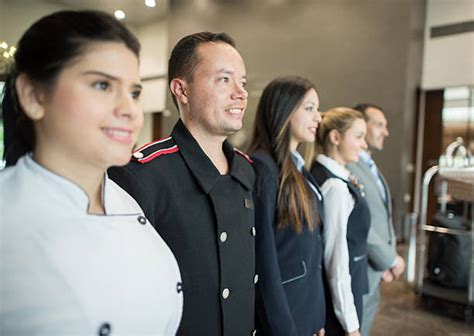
(29, 97)
(334, 137)
(179, 88)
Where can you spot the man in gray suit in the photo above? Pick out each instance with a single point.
(384, 262)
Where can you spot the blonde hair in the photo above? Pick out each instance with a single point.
(339, 119)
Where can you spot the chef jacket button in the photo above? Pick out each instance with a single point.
(255, 279)
(253, 231)
(138, 155)
(179, 287)
(254, 332)
(225, 293)
(223, 236)
(141, 219)
(104, 329)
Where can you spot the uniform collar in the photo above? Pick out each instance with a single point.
(69, 195)
(298, 160)
(333, 166)
(365, 157)
(201, 166)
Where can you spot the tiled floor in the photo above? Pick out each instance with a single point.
(401, 313)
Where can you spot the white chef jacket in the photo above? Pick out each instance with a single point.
(66, 272)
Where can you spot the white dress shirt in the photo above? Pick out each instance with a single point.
(338, 205)
(67, 272)
(299, 163)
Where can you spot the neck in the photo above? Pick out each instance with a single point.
(212, 146)
(88, 177)
(334, 154)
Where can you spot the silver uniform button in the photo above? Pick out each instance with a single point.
(255, 279)
(223, 236)
(225, 293)
(254, 231)
(138, 155)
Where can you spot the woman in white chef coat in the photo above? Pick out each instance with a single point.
(77, 254)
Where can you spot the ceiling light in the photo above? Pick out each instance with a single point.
(150, 3)
(119, 14)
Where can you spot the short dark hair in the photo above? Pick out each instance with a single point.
(184, 58)
(44, 50)
(362, 107)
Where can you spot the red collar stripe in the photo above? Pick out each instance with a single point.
(153, 155)
(244, 155)
(145, 146)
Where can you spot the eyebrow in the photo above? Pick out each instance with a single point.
(106, 75)
(229, 72)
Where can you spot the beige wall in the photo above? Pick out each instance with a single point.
(354, 51)
(448, 60)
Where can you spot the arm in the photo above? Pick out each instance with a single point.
(273, 312)
(381, 254)
(338, 204)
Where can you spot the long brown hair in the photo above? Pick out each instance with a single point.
(271, 134)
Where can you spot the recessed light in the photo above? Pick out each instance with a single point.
(119, 14)
(150, 3)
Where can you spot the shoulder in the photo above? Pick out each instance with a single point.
(152, 150)
(263, 161)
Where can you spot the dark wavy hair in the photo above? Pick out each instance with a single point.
(44, 50)
(271, 134)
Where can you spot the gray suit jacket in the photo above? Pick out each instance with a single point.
(381, 242)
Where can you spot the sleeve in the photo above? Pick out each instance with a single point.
(381, 254)
(273, 312)
(126, 178)
(338, 204)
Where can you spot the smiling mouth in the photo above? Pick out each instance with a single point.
(235, 111)
(120, 135)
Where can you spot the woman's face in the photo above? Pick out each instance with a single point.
(352, 142)
(305, 120)
(93, 115)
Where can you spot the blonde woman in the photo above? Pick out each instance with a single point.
(346, 221)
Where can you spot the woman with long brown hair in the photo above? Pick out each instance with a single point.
(289, 293)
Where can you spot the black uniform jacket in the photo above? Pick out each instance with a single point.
(207, 219)
(290, 291)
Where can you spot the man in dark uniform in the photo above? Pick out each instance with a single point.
(196, 189)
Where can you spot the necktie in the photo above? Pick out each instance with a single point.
(375, 172)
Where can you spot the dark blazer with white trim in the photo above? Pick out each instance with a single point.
(207, 219)
(290, 293)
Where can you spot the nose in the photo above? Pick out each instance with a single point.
(239, 92)
(385, 131)
(127, 106)
(317, 117)
(364, 144)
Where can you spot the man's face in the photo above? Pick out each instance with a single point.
(217, 98)
(376, 129)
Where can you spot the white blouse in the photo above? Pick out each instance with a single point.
(66, 272)
(338, 205)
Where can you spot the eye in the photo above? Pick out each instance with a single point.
(309, 108)
(136, 94)
(102, 85)
(224, 79)
(243, 84)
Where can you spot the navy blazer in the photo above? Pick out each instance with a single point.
(290, 293)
